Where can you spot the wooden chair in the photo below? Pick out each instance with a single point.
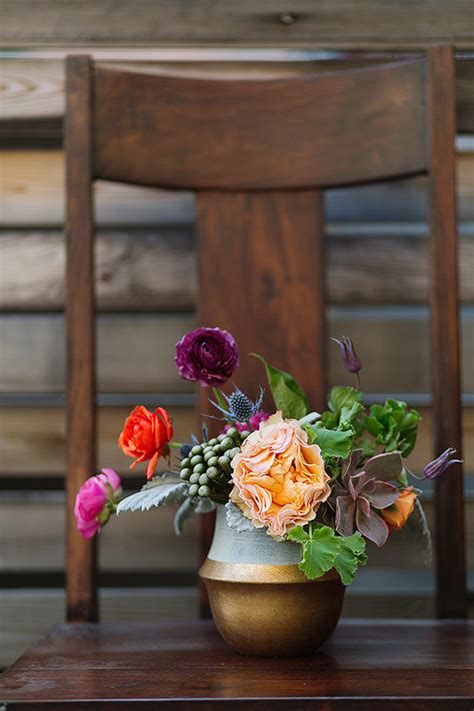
(258, 155)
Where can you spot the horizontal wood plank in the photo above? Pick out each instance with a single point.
(367, 23)
(32, 91)
(134, 348)
(144, 542)
(31, 542)
(143, 270)
(30, 200)
(32, 440)
(136, 351)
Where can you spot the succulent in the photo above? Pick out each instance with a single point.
(358, 495)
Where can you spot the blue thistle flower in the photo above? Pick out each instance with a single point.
(241, 408)
(185, 450)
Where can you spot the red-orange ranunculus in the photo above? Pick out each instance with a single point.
(397, 515)
(145, 436)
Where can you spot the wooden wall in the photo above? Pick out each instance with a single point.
(146, 285)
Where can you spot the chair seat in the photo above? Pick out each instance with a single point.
(396, 664)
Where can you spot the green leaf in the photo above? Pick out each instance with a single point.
(351, 555)
(333, 443)
(298, 534)
(289, 397)
(320, 550)
(220, 399)
(323, 550)
(403, 478)
(393, 425)
(373, 426)
(342, 396)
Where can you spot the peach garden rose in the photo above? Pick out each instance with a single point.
(279, 478)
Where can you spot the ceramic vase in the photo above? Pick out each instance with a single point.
(262, 604)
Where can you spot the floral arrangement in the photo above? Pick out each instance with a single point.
(326, 481)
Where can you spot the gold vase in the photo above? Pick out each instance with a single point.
(262, 604)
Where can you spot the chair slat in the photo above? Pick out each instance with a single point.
(446, 368)
(81, 432)
(261, 276)
(322, 129)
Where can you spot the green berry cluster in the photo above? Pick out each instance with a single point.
(208, 465)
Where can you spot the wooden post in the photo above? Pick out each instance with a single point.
(450, 539)
(81, 554)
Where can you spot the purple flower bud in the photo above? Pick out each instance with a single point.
(435, 468)
(350, 358)
(207, 355)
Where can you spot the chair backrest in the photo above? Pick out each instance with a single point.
(258, 154)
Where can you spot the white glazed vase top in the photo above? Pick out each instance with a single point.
(250, 547)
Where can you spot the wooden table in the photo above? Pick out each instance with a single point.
(366, 665)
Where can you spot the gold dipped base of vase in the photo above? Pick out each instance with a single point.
(272, 610)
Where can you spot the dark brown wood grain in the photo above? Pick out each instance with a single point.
(327, 23)
(80, 328)
(250, 135)
(378, 664)
(446, 366)
(35, 116)
(261, 276)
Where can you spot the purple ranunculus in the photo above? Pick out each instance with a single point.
(439, 465)
(207, 355)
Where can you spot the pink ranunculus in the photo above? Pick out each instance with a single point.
(255, 421)
(92, 498)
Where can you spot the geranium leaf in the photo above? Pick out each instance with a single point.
(289, 397)
(320, 550)
(298, 534)
(351, 555)
(333, 443)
